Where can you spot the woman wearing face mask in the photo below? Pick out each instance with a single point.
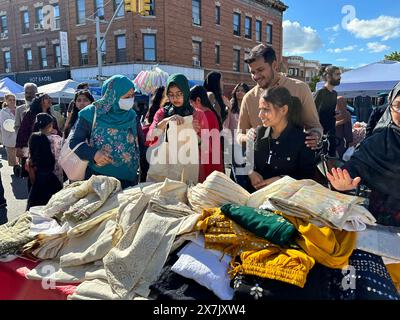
(41, 162)
(113, 148)
(82, 99)
(279, 148)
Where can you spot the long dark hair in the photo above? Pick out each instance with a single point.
(75, 110)
(213, 84)
(235, 102)
(200, 92)
(279, 97)
(155, 103)
(36, 105)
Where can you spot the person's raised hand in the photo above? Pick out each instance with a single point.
(341, 180)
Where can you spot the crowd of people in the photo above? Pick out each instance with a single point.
(278, 127)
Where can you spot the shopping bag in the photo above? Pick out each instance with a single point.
(73, 166)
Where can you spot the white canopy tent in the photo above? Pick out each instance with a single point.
(59, 90)
(9, 86)
(368, 80)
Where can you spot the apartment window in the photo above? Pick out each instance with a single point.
(258, 30)
(236, 24)
(57, 56)
(39, 18)
(25, 21)
(3, 24)
(121, 11)
(291, 72)
(151, 5)
(196, 53)
(99, 8)
(196, 12)
(247, 27)
(245, 65)
(83, 53)
(269, 33)
(28, 59)
(57, 20)
(217, 54)
(120, 48)
(149, 47)
(43, 57)
(217, 15)
(302, 73)
(236, 60)
(7, 61)
(80, 12)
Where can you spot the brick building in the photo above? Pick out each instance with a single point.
(190, 36)
(302, 69)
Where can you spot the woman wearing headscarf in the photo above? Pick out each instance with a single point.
(176, 110)
(344, 126)
(213, 84)
(376, 163)
(113, 148)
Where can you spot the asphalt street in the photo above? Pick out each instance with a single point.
(15, 191)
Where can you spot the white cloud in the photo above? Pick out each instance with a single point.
(362, 49)
(385, 27)
(335, 28)
(340, 50)
(342, 59)
(298, 39)
(377, 47)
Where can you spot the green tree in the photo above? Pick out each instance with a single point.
(314, 82)
(395, 56)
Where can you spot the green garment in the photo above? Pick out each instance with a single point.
(262, 223)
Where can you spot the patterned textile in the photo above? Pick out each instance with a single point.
(15, 234)
(81, 199)
(366, 279)
(55, 146)
(311, 201)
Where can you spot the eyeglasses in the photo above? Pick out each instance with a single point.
(178, 95)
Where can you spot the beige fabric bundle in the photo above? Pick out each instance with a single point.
(217, 190)
(137, 260)
(79, 200)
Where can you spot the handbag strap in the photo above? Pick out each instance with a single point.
(74, 149)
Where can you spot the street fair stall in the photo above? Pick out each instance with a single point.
(293, 239)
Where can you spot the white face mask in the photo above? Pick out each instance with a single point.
(126, 104)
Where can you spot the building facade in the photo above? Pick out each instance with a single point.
(192, 37)
(299, 68)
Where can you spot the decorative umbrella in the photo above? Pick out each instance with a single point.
(147, 81)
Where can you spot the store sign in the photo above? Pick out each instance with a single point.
(64, 48)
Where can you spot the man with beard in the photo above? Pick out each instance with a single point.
(263, 68)
(325, 100)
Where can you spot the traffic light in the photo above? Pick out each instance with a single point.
(144, 7)
(130, 5)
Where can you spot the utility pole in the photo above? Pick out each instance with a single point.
(100, 41)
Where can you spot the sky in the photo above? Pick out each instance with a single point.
(347, 33)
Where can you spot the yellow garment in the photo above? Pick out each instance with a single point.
(394, 271)
(287, 265)
(223, 234)
(329, 247)
(259, 257)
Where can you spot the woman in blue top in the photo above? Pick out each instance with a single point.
(113, 147)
